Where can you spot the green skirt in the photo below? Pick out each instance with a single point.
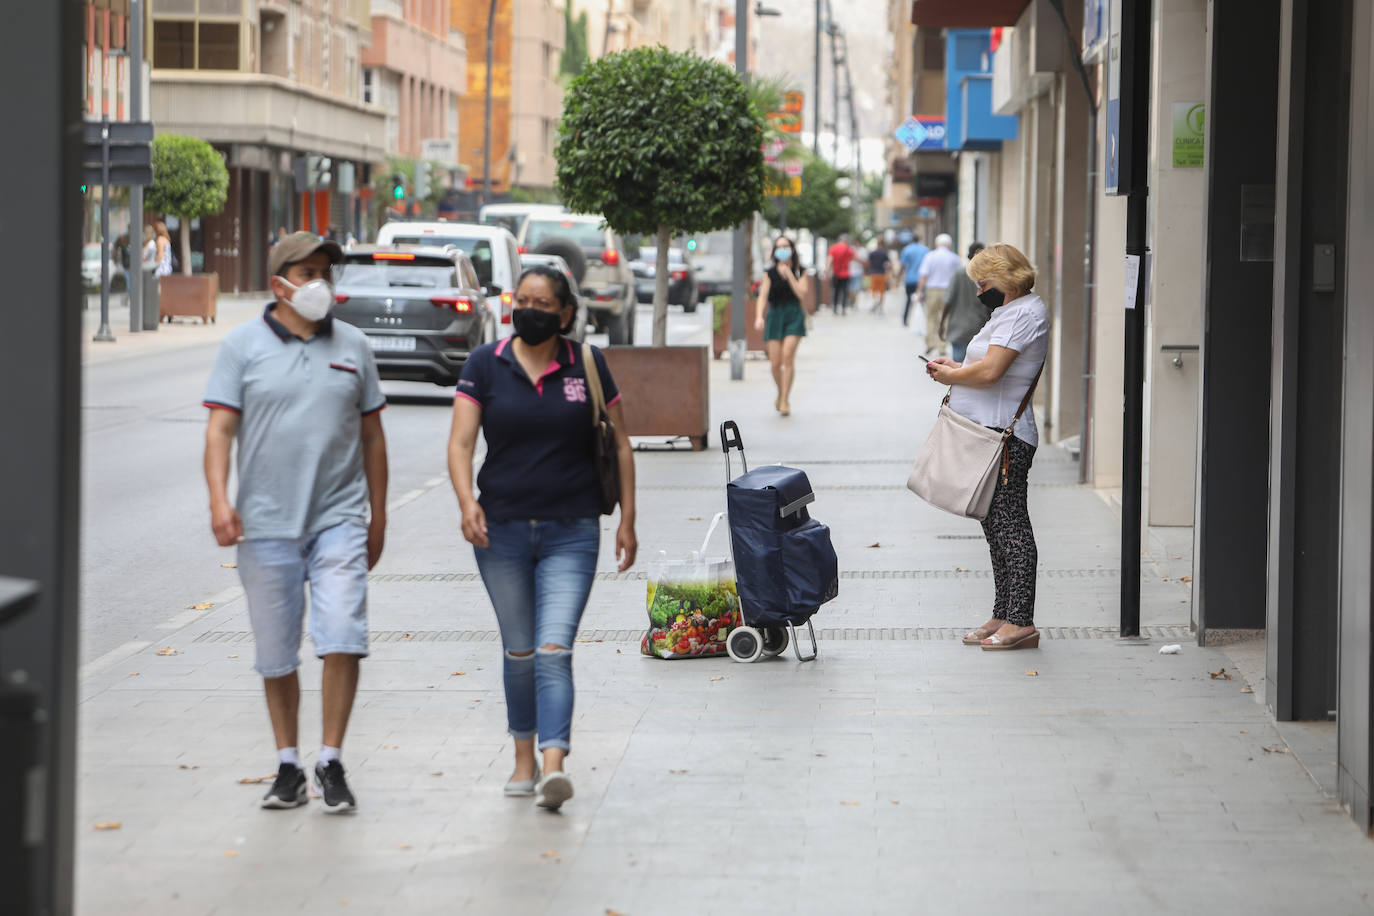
(786, 320)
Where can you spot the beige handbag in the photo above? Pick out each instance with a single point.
(956, 469)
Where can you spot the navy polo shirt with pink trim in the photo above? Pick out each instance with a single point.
(539, 462)
(300, 404)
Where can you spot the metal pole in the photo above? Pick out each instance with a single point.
(739, 285)
(834, 89)
(104, 334)
(782, 213)
(135, 270)
(816, 88)
(1136, 24)
(486, 138)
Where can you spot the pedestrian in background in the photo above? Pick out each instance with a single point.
(781, 318)
(933, 278)
(150, 247)
(300, 393)
(964, 314)
(913, 253)
(535, 528)
(879, 266)
(164, 249)
(1004, 363)
(838, 261)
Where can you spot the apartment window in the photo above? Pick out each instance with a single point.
(933, 50)
(174, 45)
(219, 46)
(369, 85)
(326, 54)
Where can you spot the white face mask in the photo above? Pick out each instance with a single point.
(313, 300)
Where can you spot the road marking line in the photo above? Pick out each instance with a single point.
(96, 665)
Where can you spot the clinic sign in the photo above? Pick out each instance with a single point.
(1189, 136)
(922, 132)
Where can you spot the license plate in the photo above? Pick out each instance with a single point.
(391, 343)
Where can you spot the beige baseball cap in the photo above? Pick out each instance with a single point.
(298, 246)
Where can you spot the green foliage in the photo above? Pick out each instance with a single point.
(653, 139)
(574, 58)
(818, 206)
(189, 178)
(719, 306)
(534, 195)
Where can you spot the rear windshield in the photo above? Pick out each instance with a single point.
(479, 250)
(584, 233)
(397, 273)
(504, 220)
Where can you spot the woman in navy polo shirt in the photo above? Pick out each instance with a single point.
(535, 529)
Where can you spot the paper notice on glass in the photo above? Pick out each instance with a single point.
(1132, 278)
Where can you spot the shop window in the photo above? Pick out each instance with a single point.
(219, 46)
(174, 45)
(933, 50)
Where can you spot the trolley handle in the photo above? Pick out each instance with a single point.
(730, 438)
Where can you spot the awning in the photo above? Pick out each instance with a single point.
(966, 14)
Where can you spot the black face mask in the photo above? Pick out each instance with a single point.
(534, 326)
(992, 297)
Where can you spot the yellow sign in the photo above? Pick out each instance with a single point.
(791, 189)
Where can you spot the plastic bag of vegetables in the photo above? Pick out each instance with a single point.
(692, 604)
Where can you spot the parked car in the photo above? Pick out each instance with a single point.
(421, 307)
(90, 268)
(599, 261)
(682, 281)
(490, 248)
(714, 261)
(579, 328)
(513, 216)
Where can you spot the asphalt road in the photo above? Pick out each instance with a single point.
(147, 551)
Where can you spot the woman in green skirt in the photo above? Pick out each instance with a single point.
(781, 318)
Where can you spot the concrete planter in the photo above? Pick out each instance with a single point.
(720, 334)
(666, 389)
(194, 296)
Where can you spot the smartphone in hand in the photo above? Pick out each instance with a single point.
(923, 359)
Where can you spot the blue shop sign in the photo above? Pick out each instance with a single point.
(922, 132)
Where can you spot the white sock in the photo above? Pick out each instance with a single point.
(327, 754)
(289, 755)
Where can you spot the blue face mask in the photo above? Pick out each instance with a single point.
(783, 254)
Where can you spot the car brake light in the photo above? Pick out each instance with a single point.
(522, 249)
(457, 303)
(507, 300)
(340, 298)
(610, 256)
(679, 275)
(393, 256)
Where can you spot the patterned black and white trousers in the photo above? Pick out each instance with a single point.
(1011, 541)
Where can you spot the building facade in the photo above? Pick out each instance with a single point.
(268, 82)
(416, 68)
(527, 93)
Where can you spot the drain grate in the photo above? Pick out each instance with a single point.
(856, 634)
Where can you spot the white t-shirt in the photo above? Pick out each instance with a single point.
(939, 267)
(1022, 325)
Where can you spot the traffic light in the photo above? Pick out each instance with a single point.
(318, 172)
(398, 186)
(422, 180)
(691, 244)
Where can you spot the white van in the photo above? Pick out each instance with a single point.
(513, 216)
(491, 249)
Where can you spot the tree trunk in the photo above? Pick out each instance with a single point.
(184, 234)
(661, 288)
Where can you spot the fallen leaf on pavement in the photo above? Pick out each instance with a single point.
(617, 651)
(231, 854)
(694, 518)
(133, 674)
(255, 780)
(1247, 689)
(895, 802)
(717, 677)
(850, 804)
(459, 673)
(190, 766)
(228, 566)
(389, 747)
(1277, 749)
(610, 912)
(958, 569)
(406, 635)
(437, 773)
(233, 655)
(109, 825)
(874, 544)
(677, 772)
(1219, 674)
(1031, 672)
(167, 651)
(204, 605)
(1185, 578)
(402, 845)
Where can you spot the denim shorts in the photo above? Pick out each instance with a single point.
(274, 573)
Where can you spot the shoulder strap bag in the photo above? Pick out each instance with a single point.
(956, 469)
(603, 438)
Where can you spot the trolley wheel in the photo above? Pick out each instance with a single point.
(744, 644)
(775, 641)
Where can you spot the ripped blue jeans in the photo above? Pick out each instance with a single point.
(538, 574)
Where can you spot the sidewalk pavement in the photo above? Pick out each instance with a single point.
(170, 335)
(901, 772)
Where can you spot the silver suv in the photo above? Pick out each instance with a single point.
(598, 259)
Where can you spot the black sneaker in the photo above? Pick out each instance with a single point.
(288, 790)
(334, 788)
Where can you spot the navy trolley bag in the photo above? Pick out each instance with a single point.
(785, 566)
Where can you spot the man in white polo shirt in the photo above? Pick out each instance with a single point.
(300, 393)
(932, 285)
